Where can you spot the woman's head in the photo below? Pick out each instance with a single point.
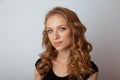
(72, 21)
(58, 32)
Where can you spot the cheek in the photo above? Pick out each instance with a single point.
(50, 38)
(68, 37)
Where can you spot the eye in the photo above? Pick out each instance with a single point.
(49, 31)
(62, 28)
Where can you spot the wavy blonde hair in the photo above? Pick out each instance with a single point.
(79, 64)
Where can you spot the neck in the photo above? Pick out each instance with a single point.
(63, 56)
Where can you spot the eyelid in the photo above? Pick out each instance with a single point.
(49, 30)
(62, 28)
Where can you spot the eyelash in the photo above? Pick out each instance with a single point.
(60, 29)
(49, 31)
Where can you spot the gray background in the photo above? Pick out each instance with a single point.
(21, 24)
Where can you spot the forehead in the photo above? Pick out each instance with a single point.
(55, 20)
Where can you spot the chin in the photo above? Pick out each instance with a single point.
(58, 49)
(61, 49)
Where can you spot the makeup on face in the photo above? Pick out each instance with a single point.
(59, 33)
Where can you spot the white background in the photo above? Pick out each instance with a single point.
(22, 22)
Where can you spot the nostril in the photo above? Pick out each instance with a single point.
(56, 36)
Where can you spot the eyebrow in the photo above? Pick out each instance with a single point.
(47, 27)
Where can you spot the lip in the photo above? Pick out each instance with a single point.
(57, 43)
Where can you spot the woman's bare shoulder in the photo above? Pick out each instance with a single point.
(37, 75)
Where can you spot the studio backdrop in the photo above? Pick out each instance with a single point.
(22, 22)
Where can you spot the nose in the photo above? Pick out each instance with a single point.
(56, 35)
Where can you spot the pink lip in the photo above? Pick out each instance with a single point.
(57, 43)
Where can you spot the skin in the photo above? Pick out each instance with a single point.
(59, 34)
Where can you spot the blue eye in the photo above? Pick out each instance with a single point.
(49, 31)
(62, 29)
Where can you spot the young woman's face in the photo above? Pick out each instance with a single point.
(59, 33)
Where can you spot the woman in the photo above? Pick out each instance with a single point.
(67, 52)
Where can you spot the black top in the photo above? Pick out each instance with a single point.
(52, 76)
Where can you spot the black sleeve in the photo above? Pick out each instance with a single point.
(37, 62)
(94, 67)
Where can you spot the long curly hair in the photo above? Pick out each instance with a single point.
(79, 64)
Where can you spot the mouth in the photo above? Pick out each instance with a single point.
(57, 43)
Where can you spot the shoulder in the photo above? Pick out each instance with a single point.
(94, 66)
(94, 74)
(37, 76)
(38, 62)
